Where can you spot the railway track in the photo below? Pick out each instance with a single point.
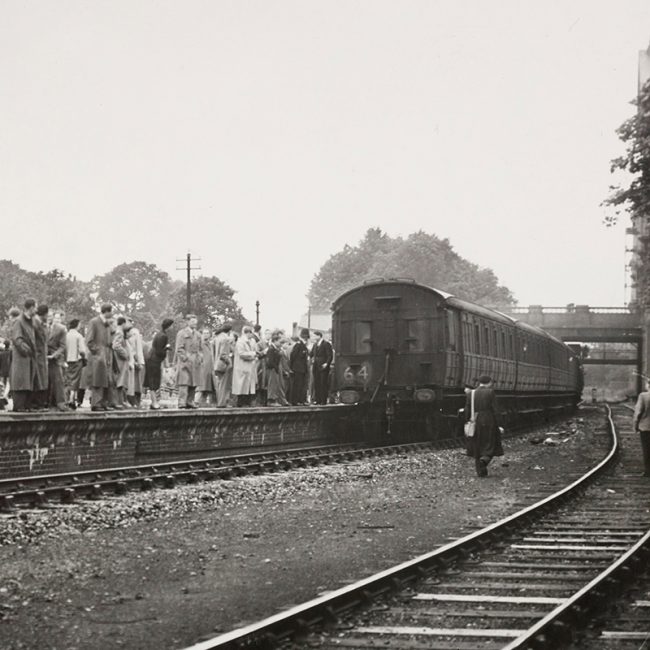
(42, 489)
(530, 581)
(39, 490)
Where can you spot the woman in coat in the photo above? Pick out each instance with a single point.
(154, 361)
(486, 442)
(275, 390)
(223, 358)
(244, 375)
(206, 387)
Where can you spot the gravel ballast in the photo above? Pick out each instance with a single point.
(163, 569)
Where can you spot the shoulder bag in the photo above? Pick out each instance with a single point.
(470, 425)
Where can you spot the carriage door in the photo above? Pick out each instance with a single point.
(388, 307)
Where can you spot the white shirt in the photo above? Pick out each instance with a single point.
(74, 345)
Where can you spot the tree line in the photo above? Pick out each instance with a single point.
(148, 294)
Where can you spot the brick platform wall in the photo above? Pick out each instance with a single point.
(52, 443)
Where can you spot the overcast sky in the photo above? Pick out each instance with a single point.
(262, 136)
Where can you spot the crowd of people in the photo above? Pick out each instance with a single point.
(44, 365)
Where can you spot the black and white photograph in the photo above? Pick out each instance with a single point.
(324, 325)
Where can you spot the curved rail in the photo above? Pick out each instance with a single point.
(275, 629)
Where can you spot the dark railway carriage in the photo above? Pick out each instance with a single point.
(404, 352)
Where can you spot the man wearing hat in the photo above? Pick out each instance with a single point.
(486, 441)
(322, 354)
(641, 423)
(299, 367)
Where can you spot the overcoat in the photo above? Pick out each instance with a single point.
(134, 339)
(223, 381)
(299, 357)
(157, 354)
(487, 437)
(99, 341)
(206, 380)
(188, 357)
(56, 342)
(40, 334)
(244, 376)
(23, 361)
(273, 371)
(122, 360)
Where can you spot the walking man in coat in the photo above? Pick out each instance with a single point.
(486, 441)
(322, 355)
(188, 363)
(642, 425)
(23, 358)
(99, 341)
(299, 366)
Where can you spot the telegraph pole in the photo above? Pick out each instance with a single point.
(188, 267)
(257, 312)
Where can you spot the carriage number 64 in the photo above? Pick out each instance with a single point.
(359, 373)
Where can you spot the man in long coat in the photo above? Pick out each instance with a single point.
(486, 441)
(40, 398)
(244, 376)
(188, 363)
(99, 341)
(123, 365)
(299, 365)
(223, 354)
(23, 359)
(56, 337)
(323, 355)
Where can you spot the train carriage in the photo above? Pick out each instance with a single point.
(405, 351)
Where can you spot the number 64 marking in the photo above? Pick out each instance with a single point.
(357, 373)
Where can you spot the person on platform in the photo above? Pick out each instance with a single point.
(23, 376)
(299, 367)
(5, 370)
(322, 356)
(486, 442)
(76, 358)
(135, 342)
(123, 363)
(188, 363)
(244, 378)
(206, 386)
(99, 341)
(273, 362)
(223, 347)
(56, 338)
(641, 424)
(261, 383)
(154, 362)
(40, 400)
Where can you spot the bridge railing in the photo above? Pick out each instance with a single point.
(569, 309)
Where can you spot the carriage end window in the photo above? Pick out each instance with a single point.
(416, 335)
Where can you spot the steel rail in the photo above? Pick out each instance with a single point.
(269, 632)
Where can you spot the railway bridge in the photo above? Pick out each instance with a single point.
(585, 324)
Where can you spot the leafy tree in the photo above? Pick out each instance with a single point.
(633, 196)
(213, 302)
(421, 256)
(139, 289)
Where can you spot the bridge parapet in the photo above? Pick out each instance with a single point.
(584, 322)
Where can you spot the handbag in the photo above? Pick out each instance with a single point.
(221, 366)
(470, 425)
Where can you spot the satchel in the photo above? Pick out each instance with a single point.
(221, 366)
(470, 425)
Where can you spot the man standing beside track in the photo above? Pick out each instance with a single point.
(99, 341)
(642, 425)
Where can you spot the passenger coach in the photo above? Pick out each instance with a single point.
(405, 351)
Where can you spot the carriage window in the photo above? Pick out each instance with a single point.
(504, 347)
(362, 338)
(477, 340)
(345, 340)
(495, 342)
(486, 341)
(451, 331)
(416, 335)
